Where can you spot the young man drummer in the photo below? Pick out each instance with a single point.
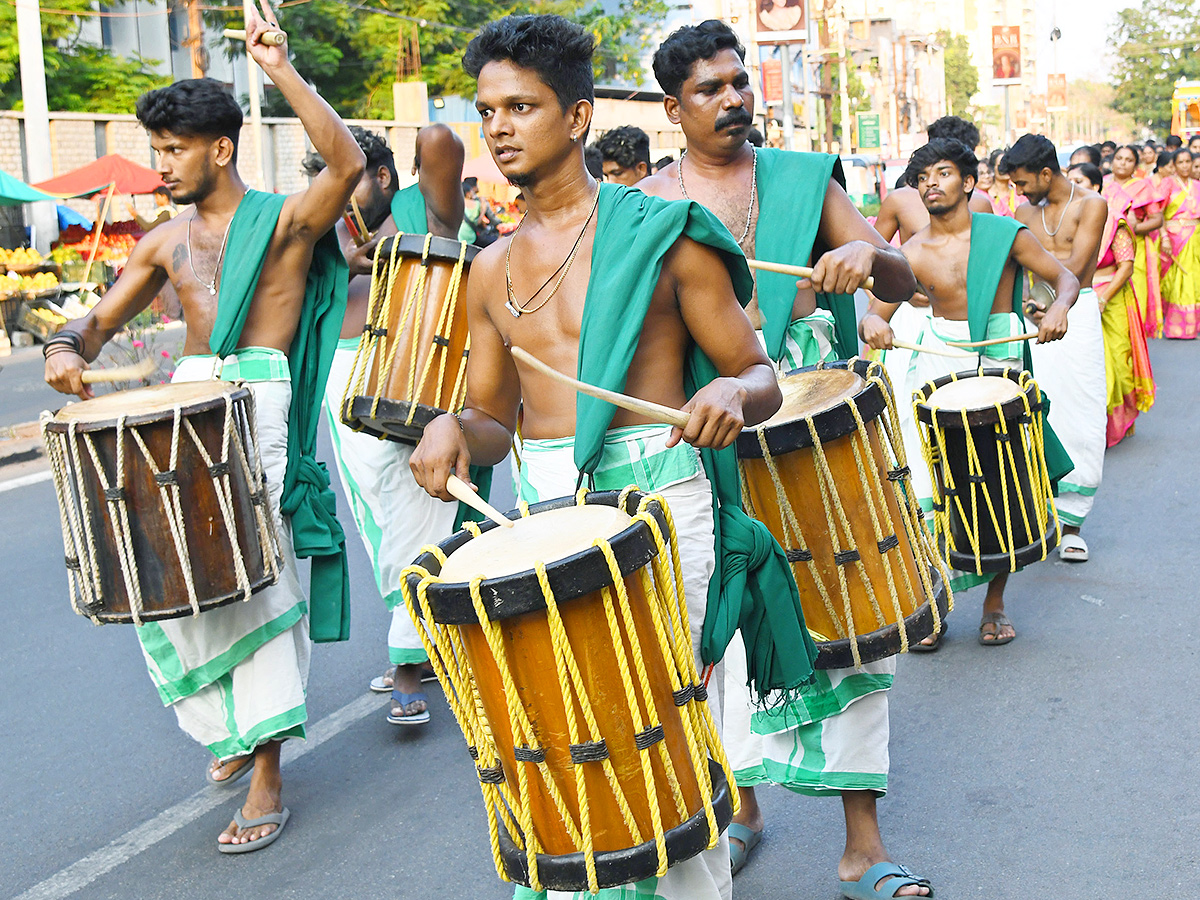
(1070, 224)
(627, 291)
(967, 263)
(395, 518)
(263, 289)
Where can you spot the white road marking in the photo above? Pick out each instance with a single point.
(35, 478)
(81, 874)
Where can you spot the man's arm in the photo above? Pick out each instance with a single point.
(875, 329)
(140, 282)
(980, 203)
(1152, 222)
(1031, 255)
(747, 391)
(439, 162)
(361, 260)
(858, 251)
(887, 223)
(318, 208)
(1088, 235)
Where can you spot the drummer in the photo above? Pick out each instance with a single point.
(632, 293)
(395, 518)
(801, 195)
(969, 265)
(236, 675)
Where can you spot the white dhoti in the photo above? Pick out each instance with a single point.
(236, 675)
(1071, 372)
(394, 514)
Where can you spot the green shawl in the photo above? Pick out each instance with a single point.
(411, 217)
(753, 587)
(307, 498)
(791, 195)
(991, 243)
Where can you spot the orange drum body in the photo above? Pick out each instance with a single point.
(163, 501)
(570, 669)
(826, 475)
(412, 359)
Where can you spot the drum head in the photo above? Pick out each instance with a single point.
(811, 392)
(545, 537)
(147, 403)
(980, 392)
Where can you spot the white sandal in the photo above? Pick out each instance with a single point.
(1073, 548)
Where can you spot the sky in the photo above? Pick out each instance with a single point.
(1085, 25)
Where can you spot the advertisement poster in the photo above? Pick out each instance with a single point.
(1056, 93)
(780, 21)
(1006, 54)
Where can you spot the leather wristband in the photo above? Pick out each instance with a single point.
(68, 339)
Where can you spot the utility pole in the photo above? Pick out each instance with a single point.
(789, 124)
(826, 75)
(257, 175)
(843, 82)
(200, 58)
(44, 217)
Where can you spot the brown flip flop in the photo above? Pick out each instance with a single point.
(997, 619)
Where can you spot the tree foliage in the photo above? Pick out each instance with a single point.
(1155, 44)
(962, 77)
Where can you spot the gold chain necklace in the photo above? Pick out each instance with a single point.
(520, 309)
(753, 190)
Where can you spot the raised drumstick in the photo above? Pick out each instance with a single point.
(917, 348)
(650, 410)
(136, 372)
(460, 490)
(270, 38)
(993, 341)
(798, 271)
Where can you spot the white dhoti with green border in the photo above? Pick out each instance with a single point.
(1071, 372)
(236, 675)
(639, 455)
(394, 514)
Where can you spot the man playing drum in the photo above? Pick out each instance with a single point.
(263, 288)
(395, 517)
(969, 265)
(632, 293)
(1070, 224)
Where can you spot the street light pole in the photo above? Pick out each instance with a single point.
(38, 163)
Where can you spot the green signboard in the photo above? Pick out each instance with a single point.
(868, 131)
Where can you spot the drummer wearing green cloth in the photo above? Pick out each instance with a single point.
(635, 294)
(791, 208)
(263, 286)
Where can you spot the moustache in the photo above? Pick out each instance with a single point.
(737, 116)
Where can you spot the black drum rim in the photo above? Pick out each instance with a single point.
(389, 418)
(832, 423)
(237, 397)
(412, 245)
(1003, 562)
(1011, 410)
(571, 577)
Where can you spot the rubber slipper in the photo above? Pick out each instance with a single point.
(221, 782)
(918, 647)
(279, 818)
(417, 718)
(997, 619)
(739, 855)
(1073, 548)
(897, 877)
(382, 684)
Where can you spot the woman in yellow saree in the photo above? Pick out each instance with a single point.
(1181, 287)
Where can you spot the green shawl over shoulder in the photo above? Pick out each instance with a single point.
(411, 217)
(991, 243)
(307, 498)
(791, 194)
(753, 586)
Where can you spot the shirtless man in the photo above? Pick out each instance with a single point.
(941, 255)
(247, 704)
(395, 517)
(664, 296)
(806, 215)
(1070, 224)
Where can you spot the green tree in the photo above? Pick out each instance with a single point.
(962, 77)
(1156, 44)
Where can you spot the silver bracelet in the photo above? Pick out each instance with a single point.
(458, 419)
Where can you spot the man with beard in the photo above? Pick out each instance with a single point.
(395, 518)
(969, 265)
(1070, 224)
(263, 288)
(832, 740)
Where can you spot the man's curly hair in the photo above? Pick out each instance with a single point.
(626, 146)
(556, 48)
(194, 107)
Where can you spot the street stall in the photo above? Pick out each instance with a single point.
(23, 271)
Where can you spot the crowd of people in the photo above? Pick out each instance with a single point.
(967, 249)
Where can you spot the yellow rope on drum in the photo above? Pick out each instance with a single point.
(445, 325)
(392, 341)
(417, 305)
(379, 305)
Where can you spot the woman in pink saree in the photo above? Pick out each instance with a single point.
(1181, 287)
(1146, 220)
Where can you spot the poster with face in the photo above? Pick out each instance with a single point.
(1006, 55)
(1056, 93)
(780, 21)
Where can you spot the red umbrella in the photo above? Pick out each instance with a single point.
(124, 176)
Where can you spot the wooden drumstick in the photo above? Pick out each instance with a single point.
(136, 372)
(460, 490)
(650, 410)
(270, 38)
(798, 271)
(1001, 340)
(362, 225)
(917, 348)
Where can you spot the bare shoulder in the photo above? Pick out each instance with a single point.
(1024, 213)
(660, 184)
(917, 242)
(1096, 203)
(487, 271)
(160, 244)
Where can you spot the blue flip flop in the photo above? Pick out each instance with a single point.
(739, 855)
(864, 888)
(279, 819)
(418, 718)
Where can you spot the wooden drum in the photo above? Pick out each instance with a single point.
(163, 501)
(411, 364)
(564, 649)
(826, 474)
(993, 502)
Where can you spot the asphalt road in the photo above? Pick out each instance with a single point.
(1061, 766)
